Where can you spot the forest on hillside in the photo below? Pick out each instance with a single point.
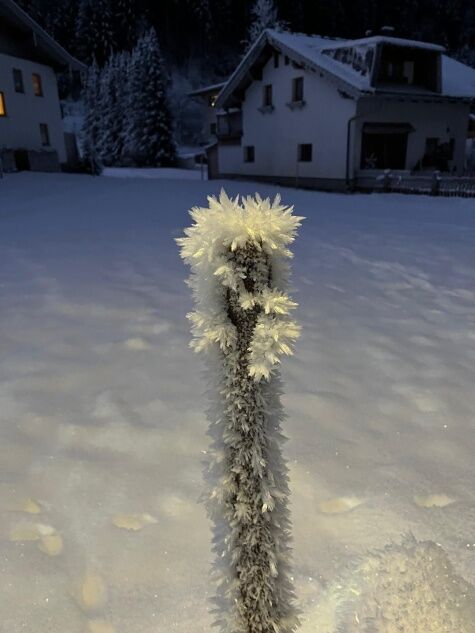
(211, 34)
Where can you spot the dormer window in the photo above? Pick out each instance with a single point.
(408, 66)
(399, 71)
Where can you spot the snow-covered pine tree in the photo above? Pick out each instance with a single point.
(112, 104)
(92, 115)
(94, 32)
(264, 16)
(59, 21)
(149, 138)
(237, 252)
(125, 24)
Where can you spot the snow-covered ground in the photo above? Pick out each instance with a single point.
(168, 173)
(102, 405)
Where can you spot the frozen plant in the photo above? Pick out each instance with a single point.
(237, 251)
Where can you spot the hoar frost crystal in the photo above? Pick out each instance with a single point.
(237, 250)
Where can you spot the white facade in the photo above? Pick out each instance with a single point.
(445, 121)
(276, 134)
(20, 127)
(367, 105)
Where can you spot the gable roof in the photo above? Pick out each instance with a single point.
(55, 54)
(318, 54)
(207, 90)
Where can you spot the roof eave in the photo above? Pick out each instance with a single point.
(58, 55)
(240, 73)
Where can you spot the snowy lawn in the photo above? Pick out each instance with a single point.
(102, 405)
(167, 173)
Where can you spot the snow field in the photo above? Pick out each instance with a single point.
(102, 424)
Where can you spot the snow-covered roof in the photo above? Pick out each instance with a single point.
(321, 54)
(386, 39)
(205, 90)
(46, 45)
(458, 80)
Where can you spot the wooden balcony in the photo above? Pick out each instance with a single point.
(229, 126)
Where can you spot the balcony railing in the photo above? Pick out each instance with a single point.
(229, 126)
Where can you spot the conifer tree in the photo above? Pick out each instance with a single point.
(94, 31)
(149, 138)
(236, 250)
(264, 16)
(92, 115)
(125, 24)
(112, 105)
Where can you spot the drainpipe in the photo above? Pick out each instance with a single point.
(348, 178)
(348, 147)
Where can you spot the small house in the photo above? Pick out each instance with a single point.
(31, 130)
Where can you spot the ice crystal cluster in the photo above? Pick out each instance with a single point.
(237, 250)
(410, 588)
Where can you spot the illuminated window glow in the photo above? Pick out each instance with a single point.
(3, 110)
(37, 86)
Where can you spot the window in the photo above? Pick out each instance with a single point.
(18, 80)
(297, 89)
(438, 153)
(382, 149)
(44, 133)
(305, 153)
(286, 60)
(249, 154)
(37, 87)
(267, 96)
(276, 59)
(3, 109)
(212, 129)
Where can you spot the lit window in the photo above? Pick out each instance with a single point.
(249, 154)
(297, 89)
(44, 133)
(37, 87)
(305, 153)
(18, 80)
(3, 110)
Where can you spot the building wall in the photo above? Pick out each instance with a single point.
(440, 120)
(276, 135)
(20, 129)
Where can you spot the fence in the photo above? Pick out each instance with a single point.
(433, 184)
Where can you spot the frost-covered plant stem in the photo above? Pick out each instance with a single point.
(242, 311)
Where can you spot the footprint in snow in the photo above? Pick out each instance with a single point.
(137, 344)
(339, 505)
(49, 540)
(433, 501)
(133, 522)
(100, 626)
(92, 593)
